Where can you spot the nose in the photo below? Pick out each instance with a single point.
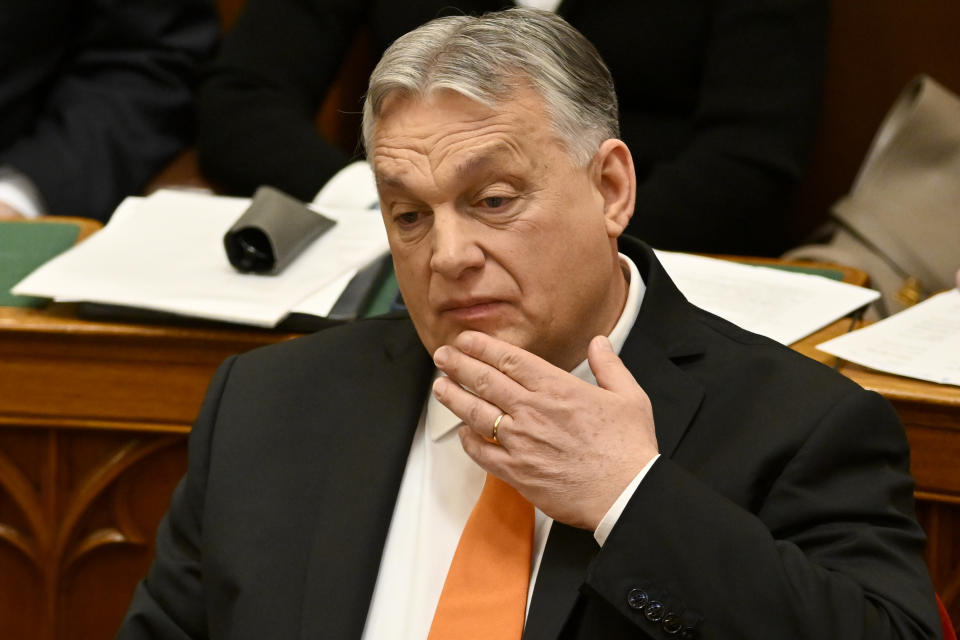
(454, 244)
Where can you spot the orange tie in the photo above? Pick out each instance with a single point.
(485, 594)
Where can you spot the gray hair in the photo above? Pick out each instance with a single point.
(487, 58)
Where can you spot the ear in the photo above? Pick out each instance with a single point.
(616, 181)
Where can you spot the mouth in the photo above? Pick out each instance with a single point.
(471, 309)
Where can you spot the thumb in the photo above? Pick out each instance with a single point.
(609, 370)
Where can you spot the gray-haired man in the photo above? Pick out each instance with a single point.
(690, 479)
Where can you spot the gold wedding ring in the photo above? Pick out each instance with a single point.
(496, 425)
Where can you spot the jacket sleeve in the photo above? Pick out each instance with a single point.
(833, 550)
(120, 106)
(729, 187)
(259, 99)
(169, 604)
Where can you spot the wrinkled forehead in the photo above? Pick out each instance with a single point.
(448, 128)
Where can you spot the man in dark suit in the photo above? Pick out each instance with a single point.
(95, 96)
(705, 482)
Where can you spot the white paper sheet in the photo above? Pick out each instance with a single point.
(165, 253)
(320, 302)
(783, 305)
(353, 187)
(921, 342)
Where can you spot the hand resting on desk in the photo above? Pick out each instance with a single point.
(9, 213)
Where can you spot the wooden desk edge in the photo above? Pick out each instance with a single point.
(851, 275)
(889, 385)
(59, 318)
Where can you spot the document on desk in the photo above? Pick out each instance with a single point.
(783, 305)
(921, 342)
(165, 252)
(352, 189)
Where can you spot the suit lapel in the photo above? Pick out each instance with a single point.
(353, 523)
(664, 336)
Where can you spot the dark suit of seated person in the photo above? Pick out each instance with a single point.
(95, 97)
(690, 479)
(718, 103)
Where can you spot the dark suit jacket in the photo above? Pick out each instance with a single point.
(96, 95)
(780, 508)
(718, 102)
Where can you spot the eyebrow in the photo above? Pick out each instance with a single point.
(387, 180)
(477, 163)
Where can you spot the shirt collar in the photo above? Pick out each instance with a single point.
(439, 420)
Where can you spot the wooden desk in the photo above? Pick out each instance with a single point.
(93, 424)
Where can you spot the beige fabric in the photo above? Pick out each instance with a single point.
(901, 221)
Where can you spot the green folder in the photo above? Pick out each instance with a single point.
(23, 248)
(826, 272)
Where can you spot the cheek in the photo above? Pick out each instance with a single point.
(411, 265)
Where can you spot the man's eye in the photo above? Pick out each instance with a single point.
(407, 218)
(495, 202)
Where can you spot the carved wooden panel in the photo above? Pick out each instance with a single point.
(78, 512)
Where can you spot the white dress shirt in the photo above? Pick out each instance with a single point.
(439, 488)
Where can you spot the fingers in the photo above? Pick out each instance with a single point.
(489, 456)
(609, 370)
(482, 378)
(477, 413)
(521, 366)
(479, 418)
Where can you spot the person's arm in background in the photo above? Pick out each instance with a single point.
(729, 189)
(120, 105)
(258, 103)
(18, 195)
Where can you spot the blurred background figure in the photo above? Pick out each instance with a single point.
(719, 102)
(95, 96)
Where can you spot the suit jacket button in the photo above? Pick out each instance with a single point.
(672, 624)
(637, 599)
(654, 611)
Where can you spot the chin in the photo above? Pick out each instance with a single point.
(433, 340)
(517, 337)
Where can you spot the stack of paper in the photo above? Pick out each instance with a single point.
(165, 253)
(782, 305)
(922, 341)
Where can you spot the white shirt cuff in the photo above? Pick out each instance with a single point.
(19, 192)
(616, 510)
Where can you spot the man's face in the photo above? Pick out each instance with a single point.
(492, 227)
